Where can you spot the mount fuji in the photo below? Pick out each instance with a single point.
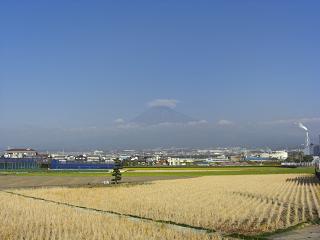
(161, 114)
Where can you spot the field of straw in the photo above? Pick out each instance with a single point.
(27, 219)
(244, 204)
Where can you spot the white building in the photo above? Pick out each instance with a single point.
(280, 155)
(180, 161)
(60, 157)
(20, 153)
(93, 158)
(98, 153)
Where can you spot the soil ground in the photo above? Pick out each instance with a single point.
(48, 181)
(310, 232)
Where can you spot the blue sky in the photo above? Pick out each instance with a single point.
(67, 65)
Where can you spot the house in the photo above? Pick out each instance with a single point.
(174, 161)
(94, 158)
(20, 153)
(161, 162)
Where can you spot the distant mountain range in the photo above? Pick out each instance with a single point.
(158, 115)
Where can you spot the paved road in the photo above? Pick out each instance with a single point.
(309, 232)
(8, 181)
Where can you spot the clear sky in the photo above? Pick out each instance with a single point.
(70, 69)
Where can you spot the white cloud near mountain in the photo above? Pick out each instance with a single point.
(171, 103)
(199, 122)
(119, 121)
(224, 122)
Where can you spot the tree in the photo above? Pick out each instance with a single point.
(308, 158)
(116, 171)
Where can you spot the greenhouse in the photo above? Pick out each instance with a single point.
(18, 163)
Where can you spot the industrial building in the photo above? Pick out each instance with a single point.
(316, 150)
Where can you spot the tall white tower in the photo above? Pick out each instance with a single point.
(307, 145)
(306, 150)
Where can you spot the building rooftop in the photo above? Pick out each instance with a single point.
(21, 150)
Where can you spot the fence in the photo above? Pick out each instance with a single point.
(18, 163)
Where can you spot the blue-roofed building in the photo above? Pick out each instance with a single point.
(65, 165)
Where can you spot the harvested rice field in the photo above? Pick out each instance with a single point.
(28, 219)
(223, 205)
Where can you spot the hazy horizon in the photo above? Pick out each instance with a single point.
(77, 75)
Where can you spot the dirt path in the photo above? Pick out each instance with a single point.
(43, 181)
(184, 170)
(309, 232)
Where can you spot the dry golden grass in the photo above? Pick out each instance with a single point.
(29, 219)
(247, 204)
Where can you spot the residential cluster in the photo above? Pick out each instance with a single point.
(234, 156)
